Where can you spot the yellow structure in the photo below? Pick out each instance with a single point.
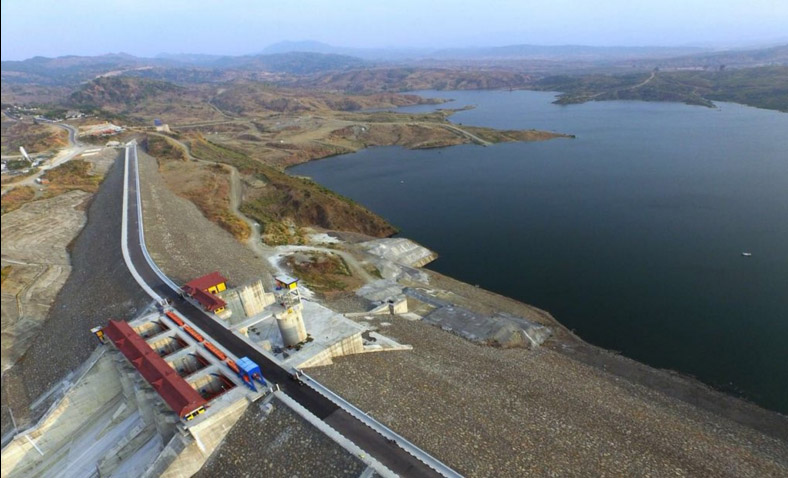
(287, 291)
(206, 289)
(217, 288)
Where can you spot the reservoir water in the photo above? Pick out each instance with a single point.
(631, 234)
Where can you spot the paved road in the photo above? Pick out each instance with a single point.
(63, 156)
(387, 453)
(75, 148)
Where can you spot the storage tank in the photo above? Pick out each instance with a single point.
(291, 326)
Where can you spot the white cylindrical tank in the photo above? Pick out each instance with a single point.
(291, 326)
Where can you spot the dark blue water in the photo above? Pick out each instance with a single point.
(631, 234)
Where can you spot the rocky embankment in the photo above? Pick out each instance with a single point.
(492, 412)
(276, 441)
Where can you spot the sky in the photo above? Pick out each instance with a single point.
(148, 27)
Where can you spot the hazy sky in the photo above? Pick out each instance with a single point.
(148, 27)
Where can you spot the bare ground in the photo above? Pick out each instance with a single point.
(35, 237)
(99, 287)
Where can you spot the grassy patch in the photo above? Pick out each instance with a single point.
(763, 87)
(35, 138)
(209, 189)
(279, 233)
(211, 195)
(502, 136)
(75, 174)
(323, 273)
(305, 203)
(210, 151)
(373, 271)
(6, 271)
(15, 198)
(164, 150)
(287, 203)
(209, 199)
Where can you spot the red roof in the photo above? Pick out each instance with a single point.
(205, 282)
(207, 300)
(178, 394)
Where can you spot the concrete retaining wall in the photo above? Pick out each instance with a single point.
(348, 346)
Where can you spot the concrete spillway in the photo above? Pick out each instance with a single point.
(168, 345)
(151, 329)
(189, 364)
(213, 385)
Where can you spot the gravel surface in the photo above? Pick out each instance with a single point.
(280, 443)
(98, 288)
(492, 412)
(184, 243)
(5, 414)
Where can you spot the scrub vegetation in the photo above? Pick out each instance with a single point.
(324, 273)
(15, 198)
(765, 87)
(75, 174)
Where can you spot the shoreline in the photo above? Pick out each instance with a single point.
(707, 372)
(693, 382)
(671, 383)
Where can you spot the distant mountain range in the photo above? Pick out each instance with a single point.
(772, 56)
(530, 52)
(313, 58)
(75, 69)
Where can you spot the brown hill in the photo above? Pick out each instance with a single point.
(121, 92)
(257, 98)
(36, 138)
(412, 79)
(281, 200)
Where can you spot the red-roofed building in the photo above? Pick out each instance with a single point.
(209, 301)
(176, 392)
(204, 289)
(211, 283)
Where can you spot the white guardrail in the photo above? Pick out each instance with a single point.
(124, 228)
(144, 248)
(354, 411)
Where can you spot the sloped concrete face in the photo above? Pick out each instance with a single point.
(101, 423)
(380, 291)
(254, 298)
(186, 453)
(111, 421)
(386, 295)
(401, 251)
(501, 330)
